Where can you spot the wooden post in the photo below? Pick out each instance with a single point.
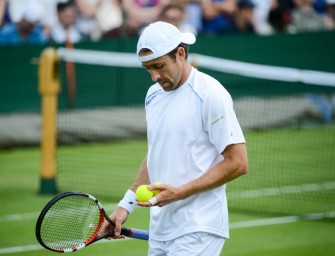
(49, 87)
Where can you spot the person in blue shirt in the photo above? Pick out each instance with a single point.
(28, 30)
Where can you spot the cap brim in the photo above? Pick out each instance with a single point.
(188, 38)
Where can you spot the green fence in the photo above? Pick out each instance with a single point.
(314, 51)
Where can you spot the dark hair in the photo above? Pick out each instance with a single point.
(173, 53)
(63, 5)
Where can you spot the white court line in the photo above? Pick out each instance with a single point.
(18, 217)
(281, 220)
(243, 224)
(17, 249)
(252, 193)
(34, 215)
(274, 191)
(235, 225)
(271, 191)
(37, 247)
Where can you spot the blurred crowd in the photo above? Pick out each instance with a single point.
(61, 21)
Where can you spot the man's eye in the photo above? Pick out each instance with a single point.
(159, 66)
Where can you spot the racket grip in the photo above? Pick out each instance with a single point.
(135, 233)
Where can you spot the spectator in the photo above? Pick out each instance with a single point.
(280, 14)
(320, 6)
(327, 9)
(3, 12)
(139, 13)
(48, 17)
(218, 15)
(331, 10)
(306, 18)
(243, 18)
(26, 30)
(97, 18)
(193, 13)
(175, 14)
(86, 21)
(261, 16)
(65, 29)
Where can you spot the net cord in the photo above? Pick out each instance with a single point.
(130, 60)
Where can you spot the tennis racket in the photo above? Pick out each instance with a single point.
(73, 220)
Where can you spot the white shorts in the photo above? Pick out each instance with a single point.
(193, 244)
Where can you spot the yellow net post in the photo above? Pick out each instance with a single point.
(49, 87)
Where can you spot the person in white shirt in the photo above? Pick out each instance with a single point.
(65, 29)
(195, 147)
(262, 9)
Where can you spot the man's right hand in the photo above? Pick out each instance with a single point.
(119, 216)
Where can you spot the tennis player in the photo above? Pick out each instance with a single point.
(195, 147)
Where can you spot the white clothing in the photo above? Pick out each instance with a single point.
(188, 129)
(199, 243)
(60, 35)
(261, 14)
(49, 14)
(86, 25)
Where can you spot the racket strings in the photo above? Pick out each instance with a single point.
(70, 222)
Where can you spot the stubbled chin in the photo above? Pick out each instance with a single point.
(164, 85)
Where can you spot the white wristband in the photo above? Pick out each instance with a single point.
(153, 201)
(128, 202)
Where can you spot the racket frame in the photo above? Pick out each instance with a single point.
(135, 233)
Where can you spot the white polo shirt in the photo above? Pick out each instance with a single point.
(188, 129)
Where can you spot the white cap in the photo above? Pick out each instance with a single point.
(161, 38)
(33, 13)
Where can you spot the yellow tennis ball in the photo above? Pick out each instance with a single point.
(156, 192)
(143, 194)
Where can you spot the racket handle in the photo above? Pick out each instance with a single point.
(135, 233)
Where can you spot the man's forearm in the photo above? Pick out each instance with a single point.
(235, 164)
(142, 175)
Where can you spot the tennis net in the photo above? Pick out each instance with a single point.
(287, 115)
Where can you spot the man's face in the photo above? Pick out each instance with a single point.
(165, 70)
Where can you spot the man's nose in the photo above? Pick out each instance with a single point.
(154, 75)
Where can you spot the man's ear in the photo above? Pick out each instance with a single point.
(181, 52)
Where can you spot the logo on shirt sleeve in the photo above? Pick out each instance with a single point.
(151, 97)
(217, 119)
